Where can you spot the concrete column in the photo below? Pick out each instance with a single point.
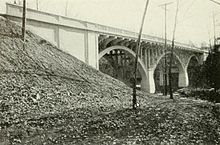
(149, 58)
(147, 82)
(86, 52)
(140, 53)
(145, 58)
(156, 52)
(205, 55)
(161, 78)
(97, 51)
(183, 78)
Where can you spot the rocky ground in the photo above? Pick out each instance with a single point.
(50, 97)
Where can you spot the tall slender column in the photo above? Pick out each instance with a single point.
(161, 77)
(149, 58)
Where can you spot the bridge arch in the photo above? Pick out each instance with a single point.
(163, 55)
(182, 70)
(141, 66)
(192, 57)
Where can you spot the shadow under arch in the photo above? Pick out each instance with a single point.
(193, 70)
(192, 57)
(141, 66)
(182, 71)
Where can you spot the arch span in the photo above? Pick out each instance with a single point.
(163, 55)
(141, 67)
(190, 58)
(183, 80)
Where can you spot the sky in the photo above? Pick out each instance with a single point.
(194, 21)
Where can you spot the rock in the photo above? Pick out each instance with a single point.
(38, 97)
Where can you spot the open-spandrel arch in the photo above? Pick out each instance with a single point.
(141, 65)
(180, 71)
(193, 70)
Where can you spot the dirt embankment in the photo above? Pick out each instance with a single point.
(50, 97)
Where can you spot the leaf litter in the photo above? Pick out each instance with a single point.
(50, 97)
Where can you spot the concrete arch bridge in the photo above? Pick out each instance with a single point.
(111, 49)
(119, 53)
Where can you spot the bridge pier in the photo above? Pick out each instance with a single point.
(183, 78)
(149, 84)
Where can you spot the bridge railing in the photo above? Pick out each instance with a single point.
(111, 30)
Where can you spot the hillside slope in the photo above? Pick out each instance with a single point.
(39, 61)
(50, 97)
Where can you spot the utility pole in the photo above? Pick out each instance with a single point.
(171, 56)
(24, 21)
(37, 4)
(218, 3)
(66, 8)
(165, 47)
(138, 44)
(210, 44)
(213, 17)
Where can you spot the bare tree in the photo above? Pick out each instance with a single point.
(138, 44)
(37, 4)
(172, 48)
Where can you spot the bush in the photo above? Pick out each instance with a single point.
(212, 68)
(204, 94)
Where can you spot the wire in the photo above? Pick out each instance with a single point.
(218, 3)
(192, 3)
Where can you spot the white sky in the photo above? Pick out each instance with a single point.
(194, 20)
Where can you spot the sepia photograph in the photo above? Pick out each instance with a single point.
(109, 72)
